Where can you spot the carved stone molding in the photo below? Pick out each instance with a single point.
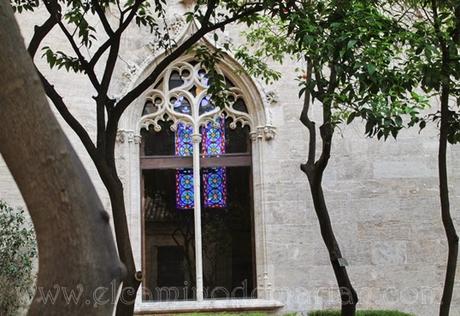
(193, 76)
(131, 71)
(173, 28)
(267, 132)
(271, 97)
(128, 136)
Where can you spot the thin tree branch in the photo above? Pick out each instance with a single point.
(327, 129)
(101, 14)
(58, 102)
(137, 91)
(110, 41)
(40, 33)
(89, 71)
(114, 49)
(456, 31)
(305, 119)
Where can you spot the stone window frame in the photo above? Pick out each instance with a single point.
(128, 164)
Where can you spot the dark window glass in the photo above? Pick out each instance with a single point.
(175, 80)
(228, 259)
(237, 140)
(159, 143)
(181, 104)
(239, 105)
(169, 253)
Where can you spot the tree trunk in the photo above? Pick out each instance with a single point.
(77, 254)
(348, 295)
(131, 282)
(447, 222)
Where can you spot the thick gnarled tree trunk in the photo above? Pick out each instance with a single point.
(76, 247)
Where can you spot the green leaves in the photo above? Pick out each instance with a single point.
(20, 6)
(365, 48)
(60, 59)
(217, 85)
(17, 250)
(255, 66)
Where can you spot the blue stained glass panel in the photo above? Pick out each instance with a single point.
(213, 138)
(214, 179)
(215, 187)
(184, 177)
(184, 189)
(184, 144)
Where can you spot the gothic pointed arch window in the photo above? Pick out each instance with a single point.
(198, 234)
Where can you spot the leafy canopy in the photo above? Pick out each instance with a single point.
(356, 55)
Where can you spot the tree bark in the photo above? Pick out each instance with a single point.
(451, 234)
(131, 282)
(76, 247)
(314, 171)
(348, 295)
(449, 227)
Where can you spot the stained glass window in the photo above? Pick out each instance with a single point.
(214, 179)
(215, 187)
(184, 177)
(184, 189)
(184, 144)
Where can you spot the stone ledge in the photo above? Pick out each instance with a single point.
(206, 306)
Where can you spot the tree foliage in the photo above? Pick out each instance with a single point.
(17, 250)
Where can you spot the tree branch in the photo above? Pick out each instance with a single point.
(327, 129)
(40, 32)
(137, 91)
(68, 117)
(109, 42)
(89, 71)
(100, 12)
(456, 32)
(309, 124)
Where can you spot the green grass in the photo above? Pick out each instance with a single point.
(227, 314)
(360, 313)
(314, 313)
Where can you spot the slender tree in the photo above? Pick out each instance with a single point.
(351, 51)
(53, 181)
(433, 52)
(73, 20)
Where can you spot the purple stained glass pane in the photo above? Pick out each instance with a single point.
(215, 187)
(213, 138)
(184, 189)
(184, 177)
(214, 179)
(184, 144)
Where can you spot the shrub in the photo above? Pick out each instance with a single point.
(17, 250)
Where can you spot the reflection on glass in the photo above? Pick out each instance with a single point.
(169, 251)
(181, 105)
